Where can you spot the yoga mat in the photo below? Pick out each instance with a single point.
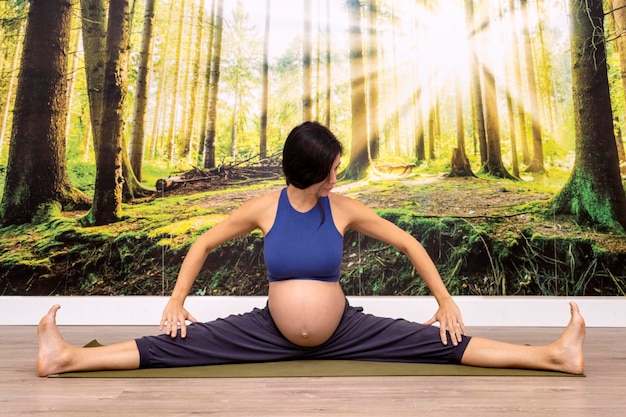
(311, 368)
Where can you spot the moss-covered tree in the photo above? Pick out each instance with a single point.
(107, 205)
(141, 91)
(493, 165)
(37, 173)
(537, 162)
(459, 163)
(94, 29)
(476, 83)
(359, 158)
(372, 82)
(214, 83)
(594, 192)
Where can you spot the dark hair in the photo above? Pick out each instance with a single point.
(309, 153)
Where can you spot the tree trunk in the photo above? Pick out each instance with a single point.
(209, 144)
(359, 161)
(318, 63)
(418, 89)
(509, 62)
(189, 94)
(36, 177)
(510, 107)
(477, 99)
(436, 133)
(431, 128)
(141, 91)
(265, 82)
(395, 125)
(372, 84)
(418, 127)
(107, 205)
(172, 129)
(494, 165)
(516, 87)
(233, 129)
(619, 140)
(94, 44)
(93, 13)
(618, 13)
(536, 164)
(328, 66)
(307, 48)
(459, 164)
(546, 84)
(594, 192)
(207, 85)
(12, 81)
(71, 83)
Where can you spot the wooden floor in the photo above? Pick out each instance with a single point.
(601, 393)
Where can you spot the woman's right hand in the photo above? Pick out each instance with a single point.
(174, 314)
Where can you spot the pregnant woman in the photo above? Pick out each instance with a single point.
(307, 315)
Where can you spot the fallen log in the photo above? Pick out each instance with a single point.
(388, 168)
(166, 184)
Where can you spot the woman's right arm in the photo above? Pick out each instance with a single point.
(242, 221)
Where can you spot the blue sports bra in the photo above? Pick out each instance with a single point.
(303, 245)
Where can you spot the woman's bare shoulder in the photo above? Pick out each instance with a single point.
(347, 212)
(344, 202)
(261, 206)
(264, 201)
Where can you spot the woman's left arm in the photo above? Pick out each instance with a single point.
(362, 219)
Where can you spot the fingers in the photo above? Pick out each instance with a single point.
(432, 320)
(171, 326)
(443, 335)
(455, 334)
(454, 328)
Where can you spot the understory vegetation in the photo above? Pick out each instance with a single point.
(486, 236)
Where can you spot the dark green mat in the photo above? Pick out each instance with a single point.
(309, 368)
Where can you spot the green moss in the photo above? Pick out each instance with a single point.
(582, 198)
(142, 255)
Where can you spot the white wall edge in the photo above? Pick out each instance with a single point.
(476, 310)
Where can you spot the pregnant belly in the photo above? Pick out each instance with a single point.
(306, 312)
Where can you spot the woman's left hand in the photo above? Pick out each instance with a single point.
(449, 317)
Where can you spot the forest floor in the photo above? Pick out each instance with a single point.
(141, 254)
(475, 199)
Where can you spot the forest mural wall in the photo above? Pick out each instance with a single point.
(490, 130)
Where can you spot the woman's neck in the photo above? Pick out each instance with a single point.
(302, 200)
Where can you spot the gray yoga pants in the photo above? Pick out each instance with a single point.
(253, 337)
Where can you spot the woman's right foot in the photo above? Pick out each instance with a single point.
(54, 352)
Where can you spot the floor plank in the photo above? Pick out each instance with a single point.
(600, 393)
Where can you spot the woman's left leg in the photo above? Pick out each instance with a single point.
(564, 354)
(362, 336)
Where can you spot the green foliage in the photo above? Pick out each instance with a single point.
(82, 175)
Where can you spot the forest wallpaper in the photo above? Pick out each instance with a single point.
(491, 130)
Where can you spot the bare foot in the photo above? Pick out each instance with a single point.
(569, 346)
(53, 350)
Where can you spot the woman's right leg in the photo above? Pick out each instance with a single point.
(57, 356)
(249, 337)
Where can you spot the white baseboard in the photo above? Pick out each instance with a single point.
(477, 311)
